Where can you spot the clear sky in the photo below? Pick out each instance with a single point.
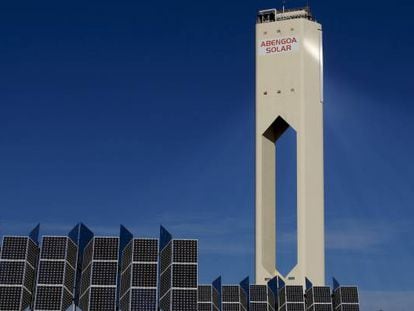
(142, 113)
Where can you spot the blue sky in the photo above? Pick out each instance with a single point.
(141, 113)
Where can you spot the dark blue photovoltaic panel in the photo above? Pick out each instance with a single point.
(204, 293)
(245, 285)
(106, 248)
(103, 299)
(73, 234)
(273, 284)
(258, 293)
(48, 297)
(335, 283)
(231, 293)
(10, 298)
(308, 283)
(217, 291)
(124, 238)
(85, 235)
(34, 234)
(165, 237)
(81, 236)
(144, 300)
(145, 250)
(53, 247)
(217, 284)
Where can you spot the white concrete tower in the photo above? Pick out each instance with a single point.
(289, 92)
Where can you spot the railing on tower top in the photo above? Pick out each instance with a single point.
(272, 15)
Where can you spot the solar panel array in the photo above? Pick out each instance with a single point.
(205, 299)
(179, 275)
(10, 297)
(105, 248)
(184, 276)
(165, 281)
(26, 299)
(56, 273)
(102, 299)
(144, 275)
(104, 273)
(231, 293)
(49, 298)
(145, 250)
(345, 298)
(14, 248)
(12, 272)
(262, 298)
(208, 298)
(318, 298)
(234, 298)
(272, 299)
(185, 251)
(166, 257)
(84, 299)
(205, 293)
(99, 275)
(183, 299)
(18, 264)
(165, 301)
(139, 276)
(51, 272)
(291, 298)
(216, 298)
(144, 299)
(54, 247)
(144, 280)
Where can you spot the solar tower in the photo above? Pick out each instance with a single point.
(289, 94)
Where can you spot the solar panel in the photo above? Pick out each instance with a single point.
(10, 298)
(102, 299)
(48, 298)
(144, 275)
(11, 272)
(104, 273)
(54, 248)
(145, 250)
(105, 248)
(144, 299)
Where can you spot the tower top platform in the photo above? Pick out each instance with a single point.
(273, 15)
